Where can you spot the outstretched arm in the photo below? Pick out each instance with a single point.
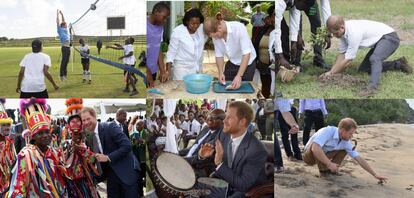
(368, 168)
(63, 18)
(115, 47)
(57, 17)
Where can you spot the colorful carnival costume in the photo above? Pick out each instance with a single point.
(78, 158)
(8, 151)
(37, 173)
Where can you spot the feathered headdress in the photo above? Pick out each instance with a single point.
(34, 112)
(4, 118)
(73, 106)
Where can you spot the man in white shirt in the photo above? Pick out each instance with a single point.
(33, 69)
(328, 147)
(231, 39)
(283, 33)
(193, 128)
(129, 60)
(311, 9)
(381, 38)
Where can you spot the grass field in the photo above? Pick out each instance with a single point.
(398, 14)
(107, 81)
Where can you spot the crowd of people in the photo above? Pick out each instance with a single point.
(204, 129)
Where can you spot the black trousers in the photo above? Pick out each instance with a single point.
(42, 94)
(230, 71)
(293, 145)
(116, 188)
(65, 60)
(315, 22)
(312, 117)
(278, 152)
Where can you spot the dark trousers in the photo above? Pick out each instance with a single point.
(278, 152)
(117, 189)
(315, 22)
(65, 61)
(265, 77)
(42, 94)
(312, 117)
(374, 62)
(294, 143)
(230, 71)
(286, 44)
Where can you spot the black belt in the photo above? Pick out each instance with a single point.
(313, 111)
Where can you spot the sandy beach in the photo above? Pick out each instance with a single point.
(388, 148)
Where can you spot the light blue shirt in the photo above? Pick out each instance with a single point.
(283, 105)
(329, 140)
(63, 34)
(312, 104)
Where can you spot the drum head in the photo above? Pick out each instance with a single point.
(175, 171)
(219, 183)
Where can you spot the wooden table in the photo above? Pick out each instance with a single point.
(175, 89)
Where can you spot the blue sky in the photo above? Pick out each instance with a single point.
(36, 18)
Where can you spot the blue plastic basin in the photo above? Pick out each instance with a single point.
(197, 83)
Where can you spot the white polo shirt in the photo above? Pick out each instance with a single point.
(238, 43)
(34, 78)
(361, 34)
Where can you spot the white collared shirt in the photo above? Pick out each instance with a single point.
(96, 133)
(361, 34)
(185, 49)
(328, 139)
(195, 127)
(237, 44)
(236, 143)
(294, 19)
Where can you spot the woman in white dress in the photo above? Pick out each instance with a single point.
(185, 51)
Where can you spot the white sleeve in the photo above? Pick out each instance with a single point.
(294, 18)
(354, 39)
(217, 50)
(173, 47)
(23, 63)
(326, 10)
(47, 60)
(280, 9)
(245, 41)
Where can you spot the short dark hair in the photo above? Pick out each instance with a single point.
(36, 46)
(160, 6)
(192, 13)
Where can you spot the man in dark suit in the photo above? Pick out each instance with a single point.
(239, 156)
(120, 120)
(209, 135)
(114, 153)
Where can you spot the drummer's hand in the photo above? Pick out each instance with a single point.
(222, 79)
(236, 82)
(218, 159)
(206, 150)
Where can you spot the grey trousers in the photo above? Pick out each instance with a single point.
(374, 63)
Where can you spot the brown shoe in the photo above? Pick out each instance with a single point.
(405, 67)
(367, 92)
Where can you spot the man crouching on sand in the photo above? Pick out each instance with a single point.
(329, 146)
